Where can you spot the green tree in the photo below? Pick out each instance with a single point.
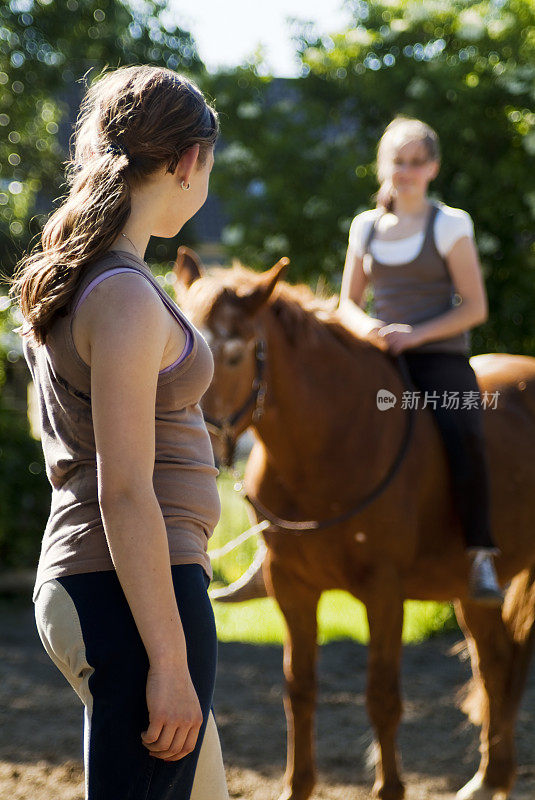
(46, 49)
(24, 491)
(300, 158)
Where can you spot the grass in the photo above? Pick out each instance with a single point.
(340, 616)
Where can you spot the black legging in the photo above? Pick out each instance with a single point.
(462, 433)
(89, 629)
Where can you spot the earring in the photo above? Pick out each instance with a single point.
(185, 186)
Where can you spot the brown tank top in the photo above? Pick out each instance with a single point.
(415, 291)
(184, 476)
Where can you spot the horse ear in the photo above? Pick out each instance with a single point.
(252, 301)
(188, 266)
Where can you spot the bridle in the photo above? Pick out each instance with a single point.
(224, 430)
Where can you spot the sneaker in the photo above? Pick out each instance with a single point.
(483, 582)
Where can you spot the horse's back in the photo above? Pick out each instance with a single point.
(510, 375)
(510, 430)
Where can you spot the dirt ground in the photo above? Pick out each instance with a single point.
(41, 721)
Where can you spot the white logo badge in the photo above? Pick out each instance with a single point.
(385, 400)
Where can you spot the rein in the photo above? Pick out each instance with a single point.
(224, 429)
(314, 525)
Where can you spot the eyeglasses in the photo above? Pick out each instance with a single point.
(415, 163)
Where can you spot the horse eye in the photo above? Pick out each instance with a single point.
(233, 351)
(235, 360)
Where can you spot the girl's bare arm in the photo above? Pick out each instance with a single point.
(350, 311)
(127, 335)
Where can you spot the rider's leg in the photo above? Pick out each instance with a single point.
(449, 388)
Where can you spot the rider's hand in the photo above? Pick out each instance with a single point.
(372, 335)
(398, 337)
(175, 715)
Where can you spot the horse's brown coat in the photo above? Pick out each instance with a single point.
(322, 445)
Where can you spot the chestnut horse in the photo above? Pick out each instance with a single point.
(322, 445)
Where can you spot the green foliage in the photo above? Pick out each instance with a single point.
(340, 616)
(233, 521)
(10, 342)
(46, 49)
(299, 162)
(24, 492)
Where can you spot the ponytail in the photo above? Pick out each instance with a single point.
(384, 198)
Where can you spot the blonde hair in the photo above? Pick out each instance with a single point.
(400, 131)
(132, 121)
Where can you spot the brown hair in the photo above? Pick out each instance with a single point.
(132, 121)
(400, 131)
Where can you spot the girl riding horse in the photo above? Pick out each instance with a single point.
(419, 257)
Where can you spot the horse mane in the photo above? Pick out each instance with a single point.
(303, 315)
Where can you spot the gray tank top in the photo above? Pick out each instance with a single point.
(184, 475)
(415, 291)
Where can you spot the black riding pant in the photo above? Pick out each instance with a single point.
(87, 627)
(462, 432)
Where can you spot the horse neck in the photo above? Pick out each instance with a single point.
(321, 396)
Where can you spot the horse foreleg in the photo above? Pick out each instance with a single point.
(298, 604)
(384, 606)
(491, 650)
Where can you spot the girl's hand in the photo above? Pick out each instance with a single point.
(175, 715)
(372, 335)
(398, 337)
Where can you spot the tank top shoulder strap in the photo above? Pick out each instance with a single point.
(122, 260)
(109, 263)
(95, 281)
(371, 232)
(103, 263)
(429, 239)
(112, 260)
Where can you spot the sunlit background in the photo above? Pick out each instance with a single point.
(233, 32)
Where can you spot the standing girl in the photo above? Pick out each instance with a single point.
(419, 257)
(120, 597)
